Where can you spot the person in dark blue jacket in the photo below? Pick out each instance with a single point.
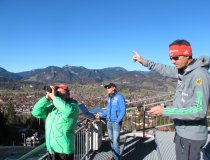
(115, 111)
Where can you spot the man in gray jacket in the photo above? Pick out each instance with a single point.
(191, 100)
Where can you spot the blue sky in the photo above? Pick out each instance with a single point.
(98, 33)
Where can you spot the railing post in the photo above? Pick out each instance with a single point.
(89, 139)
(144, 108)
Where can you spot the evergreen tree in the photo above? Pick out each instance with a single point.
(11, 117)
(2, 128)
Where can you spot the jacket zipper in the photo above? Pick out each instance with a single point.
(51, 128)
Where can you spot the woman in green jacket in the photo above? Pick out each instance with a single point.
(61, 113)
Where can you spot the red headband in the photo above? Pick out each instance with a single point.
(63, 86)
(180, 50)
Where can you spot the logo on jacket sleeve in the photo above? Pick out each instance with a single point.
(199, 81)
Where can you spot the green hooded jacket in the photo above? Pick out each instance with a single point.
(61, 121)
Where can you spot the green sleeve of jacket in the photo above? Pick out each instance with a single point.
(68, 109)
(199, 101)
(42, 108)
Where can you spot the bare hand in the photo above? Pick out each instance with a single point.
(156, 111)
(47, 95)
(137, 57)
(97, 116)
(52, 94)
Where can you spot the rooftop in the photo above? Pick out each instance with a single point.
(134, 146)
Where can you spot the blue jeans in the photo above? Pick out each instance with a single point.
(114, 135)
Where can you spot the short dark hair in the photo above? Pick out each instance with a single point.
(180, 42)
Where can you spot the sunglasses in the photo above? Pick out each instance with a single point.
(108, 87)
(174, 58)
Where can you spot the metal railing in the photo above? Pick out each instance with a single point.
(85, 143)
(137, 119)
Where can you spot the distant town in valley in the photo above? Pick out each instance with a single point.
(20, 91)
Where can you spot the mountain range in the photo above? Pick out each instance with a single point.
(79, 74)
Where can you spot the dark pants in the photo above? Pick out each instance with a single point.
(60, 156)
(187, 149)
